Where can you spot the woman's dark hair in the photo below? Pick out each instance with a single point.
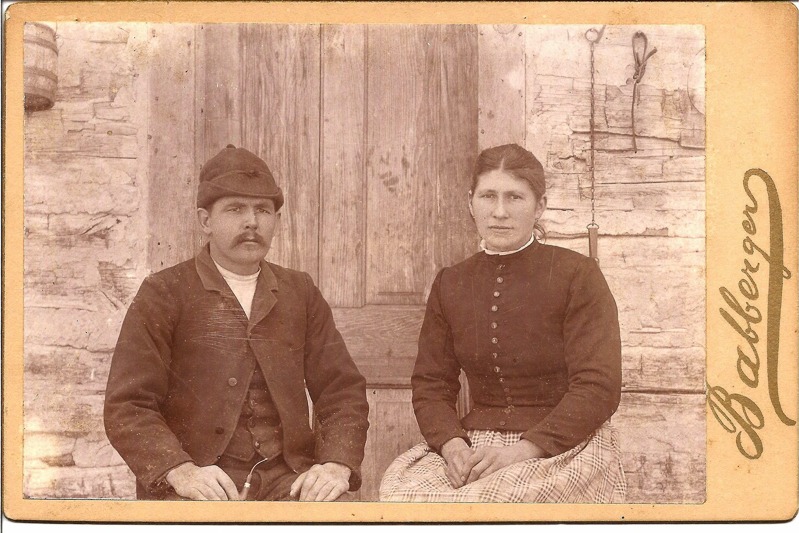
(517, 162)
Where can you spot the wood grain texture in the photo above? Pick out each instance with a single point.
(662, 440)
(170, 147)
(455, 236)
(404, 85)
(280, 123)
(343, 180)
(380, 330)
(502, 90)
(219, 84)
(392, 431)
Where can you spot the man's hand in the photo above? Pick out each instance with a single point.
(456, 453)
(322, 483)
(202, 482)
(487, 460)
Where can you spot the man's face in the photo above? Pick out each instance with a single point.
(240, 231)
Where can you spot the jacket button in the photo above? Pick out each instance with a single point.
(496, 369)
(494, 355)
(257, 444)
(509, 398)
(496, 294)
(500, 279)
(501, 422)
(493, 325)
(494, 308)
(494, 340)
(219, 430)
(232, 382)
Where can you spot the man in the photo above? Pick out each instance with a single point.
(207, 387)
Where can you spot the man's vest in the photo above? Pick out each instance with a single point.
(258, 430)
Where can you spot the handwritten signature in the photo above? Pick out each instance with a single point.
(734, 410)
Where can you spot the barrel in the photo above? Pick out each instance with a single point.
(40, 59)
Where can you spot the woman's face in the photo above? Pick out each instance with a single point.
(505, 209)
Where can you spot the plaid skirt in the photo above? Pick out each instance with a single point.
(588, 473)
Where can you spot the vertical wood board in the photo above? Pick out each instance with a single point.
(392, 431)
(220, 87)
(501, 85)
(456, 236)
(343, 180)
(170, 145)
(280, 123)
(403, 92)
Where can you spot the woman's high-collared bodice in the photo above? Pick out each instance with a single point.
(536, 333)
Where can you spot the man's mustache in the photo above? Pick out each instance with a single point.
(249, 237)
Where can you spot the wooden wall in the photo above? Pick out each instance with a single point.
(372, 132)
(535, 89)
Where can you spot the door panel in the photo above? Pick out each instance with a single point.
(372, 134)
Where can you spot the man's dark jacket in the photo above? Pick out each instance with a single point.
(185, 357)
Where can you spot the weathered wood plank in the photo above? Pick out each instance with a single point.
(455, 238)
(634, 251)
(219, 82)
(280, 123)
(170, 147)
(404, 85)
(662, 441)
(343, 176)
(380, 332)
(646, 369)
(392, 431)
(69, 410)
(115, 482)
(82, 369)
(501, 85)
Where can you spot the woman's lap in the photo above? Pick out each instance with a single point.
(590, 472)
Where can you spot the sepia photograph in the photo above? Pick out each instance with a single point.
(380, 262)
(381, 162)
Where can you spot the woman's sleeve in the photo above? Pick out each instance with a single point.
(592, 346)
(435, 376)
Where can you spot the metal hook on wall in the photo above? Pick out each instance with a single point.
(640, 56)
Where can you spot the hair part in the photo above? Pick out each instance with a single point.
(517, 162)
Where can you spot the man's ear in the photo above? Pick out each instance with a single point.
(204, 217)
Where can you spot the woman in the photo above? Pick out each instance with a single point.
(535, 328)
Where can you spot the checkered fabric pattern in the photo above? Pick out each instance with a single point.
(588, 473)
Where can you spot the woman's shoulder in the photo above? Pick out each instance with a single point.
(564, 256)
(571, 264)
(467, 266)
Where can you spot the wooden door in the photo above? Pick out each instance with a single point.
(372, 133)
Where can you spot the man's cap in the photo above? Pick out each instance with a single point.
(236, 172)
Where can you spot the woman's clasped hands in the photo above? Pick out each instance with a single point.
(465, 464)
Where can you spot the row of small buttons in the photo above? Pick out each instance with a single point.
(495, 340)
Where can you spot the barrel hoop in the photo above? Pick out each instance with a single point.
(42, 72)
(41, 42)
(42, 27)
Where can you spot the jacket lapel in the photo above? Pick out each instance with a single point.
(264, 299)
